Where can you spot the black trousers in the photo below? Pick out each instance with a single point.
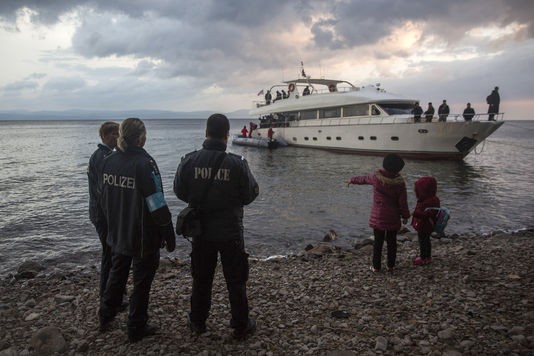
(425, 246)
(391, 239)
(105, 263)
(144, 270)
(234, 261)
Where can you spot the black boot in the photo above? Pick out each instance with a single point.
(135, 335)
(244, 332)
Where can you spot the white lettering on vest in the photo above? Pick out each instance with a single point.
(204, 173)
(119, 181)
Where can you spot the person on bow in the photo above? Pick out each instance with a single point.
(468, 113)
(429, 113)
(443, 111)
(493, 100)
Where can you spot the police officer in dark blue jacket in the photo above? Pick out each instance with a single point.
(221, 216)
(109, 132)
(139, 224)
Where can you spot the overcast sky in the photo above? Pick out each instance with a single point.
(217, 55)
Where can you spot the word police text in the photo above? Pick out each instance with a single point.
(205, 173)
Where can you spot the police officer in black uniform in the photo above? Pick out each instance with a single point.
(221, 216)
(109, 132)
(139, 224)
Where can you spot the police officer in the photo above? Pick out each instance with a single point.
(139, 224)
(221, 216)
(109, 132)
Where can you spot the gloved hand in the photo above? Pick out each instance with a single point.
(168, 238)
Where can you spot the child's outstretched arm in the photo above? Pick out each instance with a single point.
(369, 179)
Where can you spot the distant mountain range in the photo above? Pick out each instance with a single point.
(113, 115)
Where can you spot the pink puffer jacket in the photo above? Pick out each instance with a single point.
(389, 199)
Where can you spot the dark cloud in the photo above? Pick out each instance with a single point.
(175, 31)
(521, 11)
(205, 42)
(362, 22)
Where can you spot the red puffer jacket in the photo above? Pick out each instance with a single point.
(425, 191)
(389, 199)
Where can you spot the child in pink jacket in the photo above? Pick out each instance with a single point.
(390, 204)
(425, 191)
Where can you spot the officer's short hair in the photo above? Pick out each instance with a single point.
(217, 126)
(108, 127)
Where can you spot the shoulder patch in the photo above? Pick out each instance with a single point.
(236, 156)
(187, 155)
(154, 166)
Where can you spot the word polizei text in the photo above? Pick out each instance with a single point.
(119, 181)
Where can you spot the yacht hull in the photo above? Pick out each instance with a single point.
(436, 140)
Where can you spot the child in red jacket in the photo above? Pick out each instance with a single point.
(425, 191)
(389, 206)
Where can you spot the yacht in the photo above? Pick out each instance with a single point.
(339, 116)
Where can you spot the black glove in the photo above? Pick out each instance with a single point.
(168, 239)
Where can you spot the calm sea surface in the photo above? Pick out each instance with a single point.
(44, 194)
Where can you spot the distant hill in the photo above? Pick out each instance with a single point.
(112, 115)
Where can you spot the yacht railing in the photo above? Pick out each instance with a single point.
(404, 119)
(372, 120)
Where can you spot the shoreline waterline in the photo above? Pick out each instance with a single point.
(91, 259)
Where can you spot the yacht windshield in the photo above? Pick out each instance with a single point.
(397, 108)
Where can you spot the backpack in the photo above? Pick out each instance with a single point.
(440, 220)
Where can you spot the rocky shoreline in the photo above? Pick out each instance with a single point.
(477, 297)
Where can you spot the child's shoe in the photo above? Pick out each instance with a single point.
(374, 270)
(418, 261)
(428, 260)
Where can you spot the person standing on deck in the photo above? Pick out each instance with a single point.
(494, 100)
(443, 111)
(469, 113)
(417, 112)
(429, 113)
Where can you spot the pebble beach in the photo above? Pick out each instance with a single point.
(475, 298)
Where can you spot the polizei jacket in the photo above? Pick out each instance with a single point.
(133, 203)
(233, 187)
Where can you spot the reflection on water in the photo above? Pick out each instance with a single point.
(302, 192)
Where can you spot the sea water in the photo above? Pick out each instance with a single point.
(44, 193)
